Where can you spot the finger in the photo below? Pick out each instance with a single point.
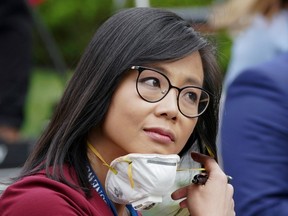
(208, 162)
(230, 191)
(179, 194)
(211, 166)
(183, 203)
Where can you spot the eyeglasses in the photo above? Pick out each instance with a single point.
(152, 86)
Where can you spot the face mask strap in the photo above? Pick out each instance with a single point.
(187, 169)
(210, 151)
(129, 172)
(91, 147)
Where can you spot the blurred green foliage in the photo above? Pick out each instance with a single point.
(72, 23)
(45, 90)
(180, 3)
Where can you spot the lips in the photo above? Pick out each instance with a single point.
(160, 134)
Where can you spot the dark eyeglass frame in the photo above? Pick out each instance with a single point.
(140, 69)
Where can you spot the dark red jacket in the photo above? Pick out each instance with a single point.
(38, 195)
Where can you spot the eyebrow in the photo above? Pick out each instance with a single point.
(191, 80)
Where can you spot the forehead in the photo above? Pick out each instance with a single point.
(185, 71)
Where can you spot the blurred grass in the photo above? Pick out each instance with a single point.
(46, 88)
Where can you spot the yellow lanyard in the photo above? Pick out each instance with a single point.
(91, 147)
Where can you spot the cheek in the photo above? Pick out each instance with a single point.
(186, 131)
(125, 106)
(124, 112)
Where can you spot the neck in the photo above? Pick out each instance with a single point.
(97, 167)
(101, 171)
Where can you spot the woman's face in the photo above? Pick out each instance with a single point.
(133, 125)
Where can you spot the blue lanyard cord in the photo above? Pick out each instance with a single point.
(132, 211)
(94, 181)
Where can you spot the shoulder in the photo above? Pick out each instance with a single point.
(39, 195)
(256, 95)
(271, 75)
(257, 101)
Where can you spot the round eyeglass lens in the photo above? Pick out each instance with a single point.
(193, 101)
(152, 86)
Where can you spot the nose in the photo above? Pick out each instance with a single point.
(168, 106)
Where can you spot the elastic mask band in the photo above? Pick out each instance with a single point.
(209, 151)
(187, 169)
(91, 147)
(129, 172)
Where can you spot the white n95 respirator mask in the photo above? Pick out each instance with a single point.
(187, 168)
(141, 179)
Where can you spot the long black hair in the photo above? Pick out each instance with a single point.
(136, 36)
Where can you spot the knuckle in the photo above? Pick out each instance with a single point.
(230, 189)
(221, 177)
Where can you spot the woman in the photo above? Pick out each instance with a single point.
(130, 109)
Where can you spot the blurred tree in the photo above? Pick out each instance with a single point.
(180, 3)
(72, 23)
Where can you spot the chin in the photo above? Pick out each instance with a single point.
(164, 152)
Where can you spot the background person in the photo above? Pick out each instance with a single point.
(15, 72)
(259, 31)
(254, 138)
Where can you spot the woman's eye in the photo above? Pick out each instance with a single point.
(151, 82)
(192, 97)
